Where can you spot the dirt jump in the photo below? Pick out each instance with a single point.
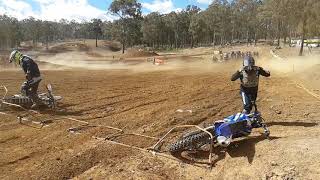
(110, 116)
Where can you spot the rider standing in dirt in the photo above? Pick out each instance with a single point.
(249, 77)
(33, 78)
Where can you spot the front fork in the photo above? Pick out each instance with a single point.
(263, 126)
(266, 130)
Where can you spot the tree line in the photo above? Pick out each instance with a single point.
(223, 22)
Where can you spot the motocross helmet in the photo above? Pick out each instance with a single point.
(248, 62)
(16, 57)
(223, 141)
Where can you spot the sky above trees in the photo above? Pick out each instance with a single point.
(82, 10)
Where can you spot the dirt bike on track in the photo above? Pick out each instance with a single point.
(222, 132)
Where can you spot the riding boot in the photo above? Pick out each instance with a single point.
(244, 111)
(35, 100)
(34, 96)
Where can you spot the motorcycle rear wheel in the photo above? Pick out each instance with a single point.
(194, 141)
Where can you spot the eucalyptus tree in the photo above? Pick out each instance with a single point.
(96, 28)
(127, 11)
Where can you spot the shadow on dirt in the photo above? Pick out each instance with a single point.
(62, 110)
(304, 124)
(239, 148)
(246, 147)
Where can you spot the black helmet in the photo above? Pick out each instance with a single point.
(248, 61)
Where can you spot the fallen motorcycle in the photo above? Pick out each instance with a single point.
(221, 132)
(47, 100)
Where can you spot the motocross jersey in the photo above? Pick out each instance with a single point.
(30, 67)
(250, 78)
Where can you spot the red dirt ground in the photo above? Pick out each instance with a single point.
(145, 102)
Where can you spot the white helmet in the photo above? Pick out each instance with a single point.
(223, 141)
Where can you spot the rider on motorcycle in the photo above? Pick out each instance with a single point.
(249, 77)
(32, 73)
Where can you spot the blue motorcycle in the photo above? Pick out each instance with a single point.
(221, 132)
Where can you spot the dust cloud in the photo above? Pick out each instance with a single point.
(81, 60)
(299, 64)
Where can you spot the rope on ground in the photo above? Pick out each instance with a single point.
(6, 92)
(296, 83)
(21, 120)
(28, 111)
(143, 150)
(308, 91)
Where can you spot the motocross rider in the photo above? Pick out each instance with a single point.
(249, 77)
(32, 74)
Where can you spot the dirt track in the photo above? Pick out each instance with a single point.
(146, 103)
